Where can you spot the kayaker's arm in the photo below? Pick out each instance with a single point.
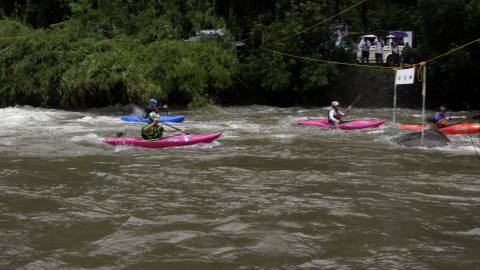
(151, 125)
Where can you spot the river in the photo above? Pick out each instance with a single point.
(268, 194)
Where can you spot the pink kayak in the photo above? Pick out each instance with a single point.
(348, 125)
(177, 140)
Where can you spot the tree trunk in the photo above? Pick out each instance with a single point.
(230, 10)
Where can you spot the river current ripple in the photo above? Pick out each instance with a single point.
(268, 194)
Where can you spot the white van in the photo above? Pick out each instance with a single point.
(387, 48)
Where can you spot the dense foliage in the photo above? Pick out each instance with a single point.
(83, 53)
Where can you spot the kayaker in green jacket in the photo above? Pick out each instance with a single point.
(153, 130)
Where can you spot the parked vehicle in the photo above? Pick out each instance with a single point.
(387, 58)
(207, 33)
(241, 46)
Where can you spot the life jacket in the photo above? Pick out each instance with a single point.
(336, 115)
(152, 134)
(439, 117)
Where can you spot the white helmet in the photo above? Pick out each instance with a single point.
(335, 103)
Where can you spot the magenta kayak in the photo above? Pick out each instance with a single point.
(349, 125)
(177, 140)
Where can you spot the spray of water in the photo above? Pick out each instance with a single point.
(137, 111)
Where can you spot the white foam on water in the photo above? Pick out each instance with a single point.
(375, 131)
(137, 111)
(90, 138)
(21, 116)
(7, 142)
(233, 227)
(472, 232)
(322, 264)
(8, 172)
(240, 125)
(283, 136)
(122, 148)
(464, 149)
(211, 145)
(99, 119)
(135, 221)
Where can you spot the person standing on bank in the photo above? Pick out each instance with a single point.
(379, 52)
(365, 48)
(395, 53)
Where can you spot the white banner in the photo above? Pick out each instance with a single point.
(405, 76)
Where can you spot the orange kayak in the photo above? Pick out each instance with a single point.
(455, 129)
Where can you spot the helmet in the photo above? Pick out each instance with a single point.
(443, 108)
(153, 116)
(152, 101)
(335, 103)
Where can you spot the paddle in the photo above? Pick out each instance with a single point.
(349, 108)
(463, 118)
(182, 131)
(454, 124)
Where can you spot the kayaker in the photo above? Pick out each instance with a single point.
(335, 115)
(440, 119)
(154, 106)
(151, 107)
(153, 130)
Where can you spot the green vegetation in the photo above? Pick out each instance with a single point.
(113, 52)
(85, 53)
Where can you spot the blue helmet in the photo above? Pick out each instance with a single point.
(152, 101)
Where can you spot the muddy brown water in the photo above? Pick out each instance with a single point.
(268, 194)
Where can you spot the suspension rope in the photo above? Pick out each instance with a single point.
(323, 61)
(456, 49)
